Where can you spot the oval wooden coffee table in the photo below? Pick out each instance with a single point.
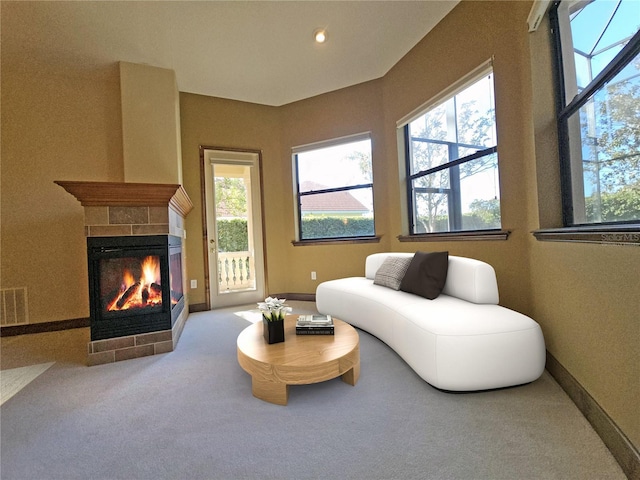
(299, 360)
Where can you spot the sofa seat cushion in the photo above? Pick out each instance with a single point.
(451, 316)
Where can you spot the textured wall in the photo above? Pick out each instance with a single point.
(150, 124)
(58, 123)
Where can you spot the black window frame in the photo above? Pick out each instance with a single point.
(453, 193)
(565, 110)
(455, 229)
(361, 186)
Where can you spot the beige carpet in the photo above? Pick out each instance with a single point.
(190, 414)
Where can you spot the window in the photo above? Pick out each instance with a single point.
(334, 189)
(452, 161)
(597, 47)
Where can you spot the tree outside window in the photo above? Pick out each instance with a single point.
(452, 163)
(598, 46)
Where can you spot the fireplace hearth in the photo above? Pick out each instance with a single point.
(135, 284)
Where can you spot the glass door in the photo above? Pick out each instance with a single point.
(234, 227)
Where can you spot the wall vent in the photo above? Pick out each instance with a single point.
(13, 306)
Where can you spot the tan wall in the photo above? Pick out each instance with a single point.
(349, 111)
(586, 297)
(150, 124)
(59, 122)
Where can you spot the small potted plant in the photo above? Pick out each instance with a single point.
(273, 312)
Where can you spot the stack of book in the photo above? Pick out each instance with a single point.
(314, 325)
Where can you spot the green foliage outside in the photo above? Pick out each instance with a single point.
(233, 235)
(613, 163)
(231, 196)
(333, 227)
(619, 206)
(470, 221)
(484, 215)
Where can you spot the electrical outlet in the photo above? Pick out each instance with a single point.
(313, 275)
(194, 283)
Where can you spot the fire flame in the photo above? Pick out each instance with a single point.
(142, 293)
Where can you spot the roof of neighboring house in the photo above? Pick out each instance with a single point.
(329, 202)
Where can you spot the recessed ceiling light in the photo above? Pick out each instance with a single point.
(320, 35)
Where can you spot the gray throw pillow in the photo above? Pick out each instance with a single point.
(426, 274)
(391, 272)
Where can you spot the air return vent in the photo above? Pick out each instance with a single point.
(13, 306)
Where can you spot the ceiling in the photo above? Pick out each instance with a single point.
(255, 51)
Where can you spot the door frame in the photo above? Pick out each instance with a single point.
(205, 233)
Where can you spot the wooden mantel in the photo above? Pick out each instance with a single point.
(123, 194)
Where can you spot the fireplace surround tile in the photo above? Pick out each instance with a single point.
(127, 221)
(101, 358)
(135, 346)
(128, 215)
(96, 215)
(134, 352)
(150, 229)
(109, 230)
(158, 215)
(155, 337)
(163, 347)
(112, 344)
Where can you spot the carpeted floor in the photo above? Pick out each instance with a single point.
(190, 414)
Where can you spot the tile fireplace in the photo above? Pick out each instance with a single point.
(135, 260)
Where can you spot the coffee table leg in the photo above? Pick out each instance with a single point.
(351, 376)
(273, 392)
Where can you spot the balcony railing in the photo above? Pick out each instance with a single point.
(236, 271)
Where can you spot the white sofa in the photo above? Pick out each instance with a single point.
(460, 341)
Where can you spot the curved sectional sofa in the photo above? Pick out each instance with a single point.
(460, 341)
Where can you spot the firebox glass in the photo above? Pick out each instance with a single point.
(130, 283)
(175, 277)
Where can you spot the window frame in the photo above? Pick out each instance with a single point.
(459, 86)
(564, 111)
(295, 151)
(453, 193)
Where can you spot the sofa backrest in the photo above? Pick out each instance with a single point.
(468, 279)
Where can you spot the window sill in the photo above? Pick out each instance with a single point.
(335, 241)
(456, 236)
(605, 234)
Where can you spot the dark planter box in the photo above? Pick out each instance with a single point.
(273, 331)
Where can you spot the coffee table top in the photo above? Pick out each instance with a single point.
(300, 359)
